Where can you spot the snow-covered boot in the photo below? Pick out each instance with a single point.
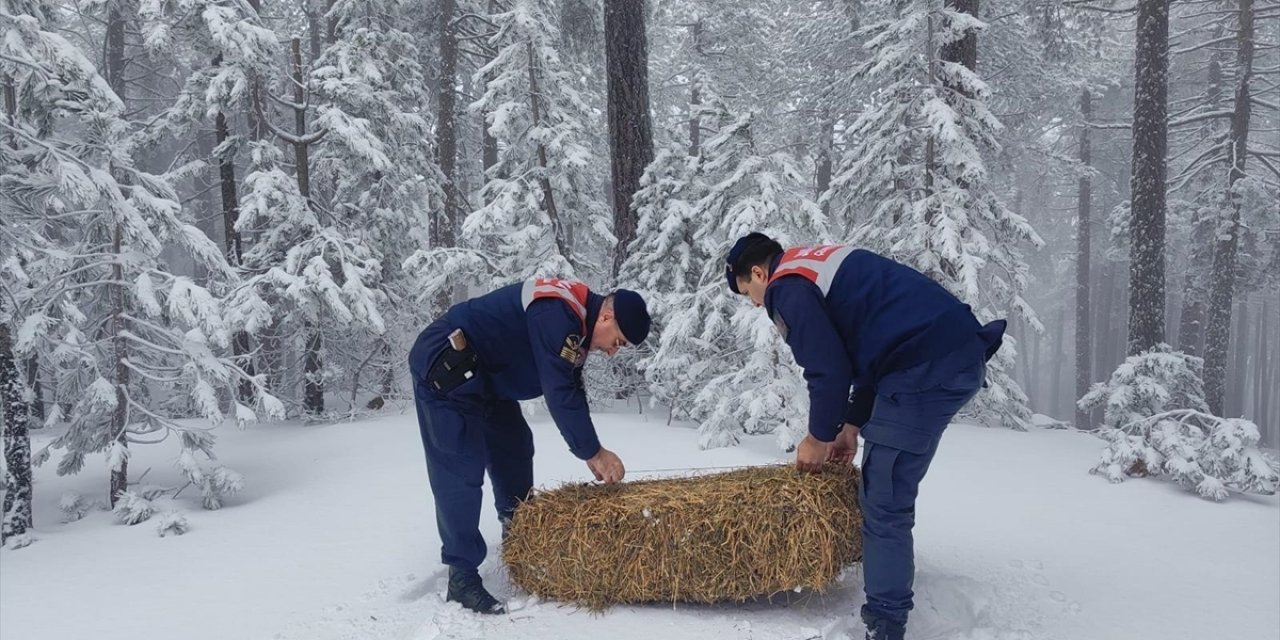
(466, 589)
(882, 628)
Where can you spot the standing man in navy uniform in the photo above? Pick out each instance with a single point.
(471, 366)
(913, 355)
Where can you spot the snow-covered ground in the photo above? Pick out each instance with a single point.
(334, 538)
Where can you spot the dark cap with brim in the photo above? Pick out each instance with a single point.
(632, 315)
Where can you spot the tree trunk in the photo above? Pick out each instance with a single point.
(446, 135)
(1271, 411)
(17, 443)
(1084, 347)
(1261, 392)
(630, 132)
(826, 152)
(1150, 143)
(695, 93)
(1102, 318)
(1238, 356)
(1059, 346)
(312, 368)
(231, 237)
(1037, 374)
(1222, 285)
(1260, 358)
(964, 50)
(488, 143)
(1200, 254)
(256, 112)
(548, 195)
(315, 28)
(37, 392)
(115, 66)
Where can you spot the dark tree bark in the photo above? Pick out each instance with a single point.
(17, 443)
(826, 153)
(312, 367)
(446, 134)
(14, 412)
(233, 247)
(116, 293)
(1223, 283)
(1059, 350)
(964, 50)
(695, 94)
(1194, 293)
(1150, 144)
(1084, 333)
(630, 131)
(1262, 393)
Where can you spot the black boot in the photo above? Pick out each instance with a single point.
(882, 628)
(466, 589)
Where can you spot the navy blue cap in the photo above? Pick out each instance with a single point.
(734, 254)
(632, 315)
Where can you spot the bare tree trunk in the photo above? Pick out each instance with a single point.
(1150, 144)
(1084, 346)
(314, 27)
(1191, 321)
(964, 50)
(1233, 402)
(17, 443)
(826, 153)
(1271, 410)
(233, 248)
(313, 366)
(1222, 286)
(115, 66)
(1261, 392)
(1102, 318)
(1037, 373)
(548, 196)
(446, 134)
(1059, 346)
(630, 132)
(1260, 357)
(695, 93)
(488, 143)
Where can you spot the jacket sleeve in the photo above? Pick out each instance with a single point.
(861, 402)
(550, 322)
(798, 307)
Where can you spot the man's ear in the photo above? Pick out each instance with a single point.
(758, 271)
(606, 312)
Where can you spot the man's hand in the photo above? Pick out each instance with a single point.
(845, 447)
(811, 453)
(607, 466)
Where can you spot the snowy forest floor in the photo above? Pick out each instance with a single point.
(334, 538)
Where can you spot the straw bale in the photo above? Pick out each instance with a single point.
(706, 538)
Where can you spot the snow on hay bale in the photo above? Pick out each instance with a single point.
(708, 538)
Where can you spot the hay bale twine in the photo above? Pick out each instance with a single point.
(707, 538)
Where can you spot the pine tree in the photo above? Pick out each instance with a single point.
(543, 207)
(384, 184)
(132, 343)
(718, 361)
(915, 171)
(1158, 424)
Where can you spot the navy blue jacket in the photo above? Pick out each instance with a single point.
(520, 354)
(879, 316)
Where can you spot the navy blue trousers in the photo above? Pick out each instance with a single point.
(463, 439)
(913, 407)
